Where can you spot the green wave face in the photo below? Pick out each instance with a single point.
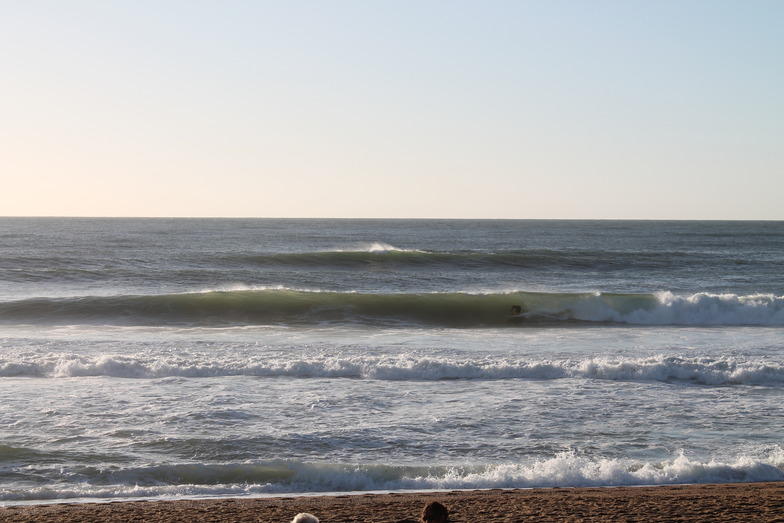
(456, 310)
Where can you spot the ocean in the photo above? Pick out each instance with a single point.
(172, 358)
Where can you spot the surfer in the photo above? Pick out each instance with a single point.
(517, 309)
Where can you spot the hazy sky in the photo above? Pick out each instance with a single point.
(393, 108)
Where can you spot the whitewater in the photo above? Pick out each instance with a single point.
(165, 358)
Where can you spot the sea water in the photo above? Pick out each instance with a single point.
(157, 358)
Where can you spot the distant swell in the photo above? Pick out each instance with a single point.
(462, 310)
(697, 370)
(383, 256)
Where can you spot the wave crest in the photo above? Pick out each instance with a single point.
(461, 310)
(697, 370)
(567, 469)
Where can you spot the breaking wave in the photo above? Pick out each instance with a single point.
(696, 370)
(567, 469)
(460, 310)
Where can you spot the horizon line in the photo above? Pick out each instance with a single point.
(128, 217)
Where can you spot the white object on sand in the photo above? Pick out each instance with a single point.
(304, 517)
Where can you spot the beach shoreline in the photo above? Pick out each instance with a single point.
(697, 502)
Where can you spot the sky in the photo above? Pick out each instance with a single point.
(544, 109)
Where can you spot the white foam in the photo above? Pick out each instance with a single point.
(567, 469)
(571, 469)
(711, 309)
(723, 370)
(664, 308)
(382, 247)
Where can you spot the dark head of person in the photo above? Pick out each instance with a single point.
(435, 512)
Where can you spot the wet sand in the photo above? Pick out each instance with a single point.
(725, 502)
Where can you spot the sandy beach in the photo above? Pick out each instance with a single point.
(725, 502)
